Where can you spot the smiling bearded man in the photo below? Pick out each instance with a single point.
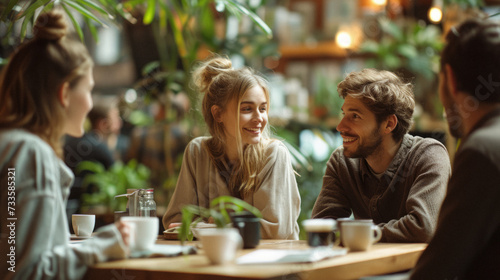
(381, 172)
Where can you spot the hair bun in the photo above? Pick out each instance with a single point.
(50, 26)
(209, 70)
(216, 66)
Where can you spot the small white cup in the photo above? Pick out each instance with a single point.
(220, 244)
(359, 236)
(83, 225)
(143, 232)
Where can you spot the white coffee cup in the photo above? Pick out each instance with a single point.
(143, 232)
(359, 236)
(83, 225)
(220, 244)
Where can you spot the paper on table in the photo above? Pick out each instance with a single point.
(163, 250)
(263, 256)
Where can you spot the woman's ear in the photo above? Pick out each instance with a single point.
(215, 110)
(63, 94)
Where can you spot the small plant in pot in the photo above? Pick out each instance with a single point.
(221, 212)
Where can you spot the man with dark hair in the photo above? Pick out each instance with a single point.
(381, 172)
(466, 244)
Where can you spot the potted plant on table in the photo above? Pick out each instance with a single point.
(219, 211)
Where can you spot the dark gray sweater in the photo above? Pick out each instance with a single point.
(404, 202)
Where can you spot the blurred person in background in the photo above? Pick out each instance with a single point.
(99, 144)
(148, 143)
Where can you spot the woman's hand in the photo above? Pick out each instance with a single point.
(125, 231)
(172, 225)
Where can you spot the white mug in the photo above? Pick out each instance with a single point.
(220, 244)
(143, 232)
(359, 236)
(83, 225)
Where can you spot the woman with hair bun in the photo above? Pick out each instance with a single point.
(239, 158)
(45, 92)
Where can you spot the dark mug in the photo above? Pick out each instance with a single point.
(249, 227)
(320, 232)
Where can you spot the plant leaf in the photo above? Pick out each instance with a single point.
(184, 230)
(8, 9)
(236, 201)
(93, 30)
(28, 15)
(83, 11)
(95, 7)
(407, 51)
(251, 14)
(149, 15)
(74, 22)
(91, 166)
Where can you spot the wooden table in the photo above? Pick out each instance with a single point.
(380, 259)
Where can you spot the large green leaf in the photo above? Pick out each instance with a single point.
(216, 202)
(73, 21)
(150, 12)
(406, 50)
(83, 11)
(93, 29)
(92, 166)
(392, 29)
(10, 6)
(28, 15)
(95, 7)
(255, 18)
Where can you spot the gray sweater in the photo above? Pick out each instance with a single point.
(38, 220)
(277, 197)
(404, 202)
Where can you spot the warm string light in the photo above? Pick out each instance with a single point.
(435, 14)
(343, 39)
(379, 2)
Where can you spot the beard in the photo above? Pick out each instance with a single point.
(366, 149)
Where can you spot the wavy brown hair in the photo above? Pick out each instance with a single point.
(221, 84)
(31, 81)
(385, 94)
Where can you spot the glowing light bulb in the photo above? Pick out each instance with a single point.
(379, 2)
(435, 14)
(343, 39)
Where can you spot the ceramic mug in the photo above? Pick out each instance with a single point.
(220, 244)
(359, 236)
(83, 225)
(341, 221)
(320, 232)
(143, 232)
(248, 226)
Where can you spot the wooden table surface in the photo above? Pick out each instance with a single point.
(380, 259)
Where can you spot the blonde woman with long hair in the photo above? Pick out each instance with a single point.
(45, 92)
(239, 158)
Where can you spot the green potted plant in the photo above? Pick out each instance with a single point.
(411, 49)
(108, 183)
(218, 212)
